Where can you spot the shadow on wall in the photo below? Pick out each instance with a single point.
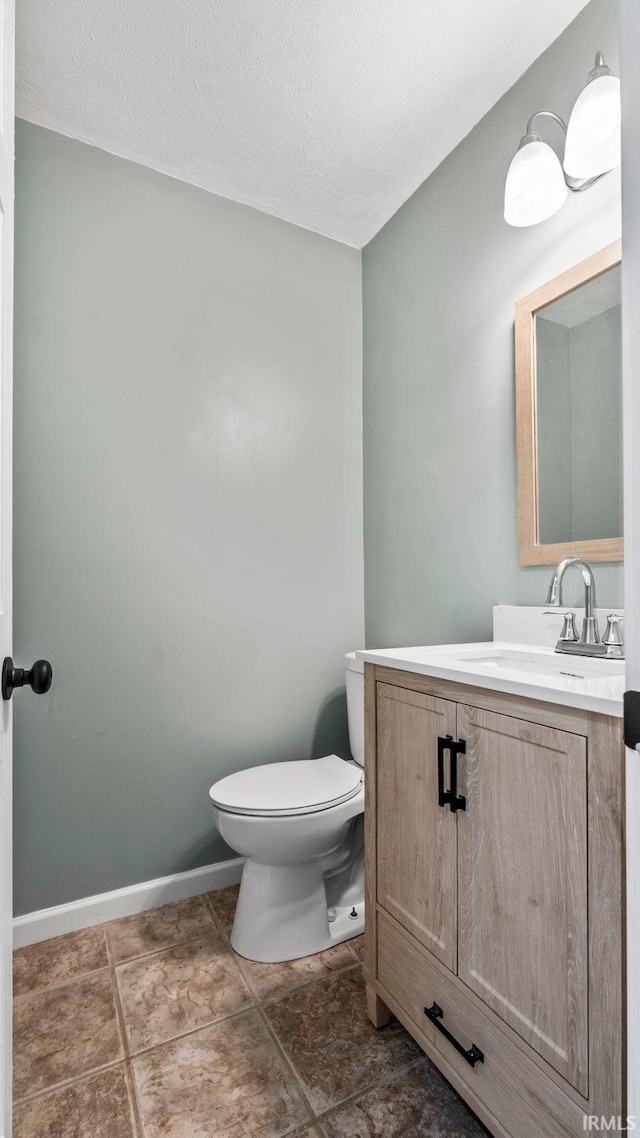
(330, 737)
(206, 850)
(331, 733)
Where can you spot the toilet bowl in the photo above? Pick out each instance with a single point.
(299, 827)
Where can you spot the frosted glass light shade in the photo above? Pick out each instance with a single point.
(535, 188)
(593, 133)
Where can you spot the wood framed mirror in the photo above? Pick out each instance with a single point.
(569, 415)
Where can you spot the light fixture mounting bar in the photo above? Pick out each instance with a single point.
(549, 114)
(576, 185)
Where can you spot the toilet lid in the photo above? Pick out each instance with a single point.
(299, 787)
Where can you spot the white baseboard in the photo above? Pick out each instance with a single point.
(47, 923)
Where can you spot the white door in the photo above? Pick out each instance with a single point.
(630, 75)
(7, 44)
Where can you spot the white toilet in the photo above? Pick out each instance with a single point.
(299, 827)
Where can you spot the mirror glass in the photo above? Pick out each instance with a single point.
(578, 393)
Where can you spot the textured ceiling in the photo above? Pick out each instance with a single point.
(328, 113)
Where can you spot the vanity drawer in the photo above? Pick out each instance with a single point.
(526, 1101)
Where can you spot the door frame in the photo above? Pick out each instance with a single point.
(7, 151)
(629, 54)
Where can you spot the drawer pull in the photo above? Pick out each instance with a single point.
(472, 1055)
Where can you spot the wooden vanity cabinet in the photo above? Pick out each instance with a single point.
(416, 860)
(494, 895)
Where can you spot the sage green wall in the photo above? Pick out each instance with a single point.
(188, 509)
(555, 431)
(579, 412)
(596, 381)
(440, 281)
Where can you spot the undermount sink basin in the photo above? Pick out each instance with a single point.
(543, 663)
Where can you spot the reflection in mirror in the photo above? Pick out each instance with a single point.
(579, 413)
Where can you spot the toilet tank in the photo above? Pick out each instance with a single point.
(355, 705)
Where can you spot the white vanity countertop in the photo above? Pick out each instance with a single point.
(521, 669)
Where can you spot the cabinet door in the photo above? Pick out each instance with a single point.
(522, 882)
(416, 838)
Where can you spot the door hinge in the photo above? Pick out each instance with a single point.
(631, 706)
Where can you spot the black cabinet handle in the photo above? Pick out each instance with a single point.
(38, 677)
(458, 747)
(471, 1055)
(443, 795)
(458, 801)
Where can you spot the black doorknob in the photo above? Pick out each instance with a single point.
(38, 677)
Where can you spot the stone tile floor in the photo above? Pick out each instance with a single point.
(152, 1027)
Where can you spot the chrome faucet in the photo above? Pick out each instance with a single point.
(590, 632)
(589, 642)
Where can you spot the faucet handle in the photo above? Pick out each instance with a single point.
(614, 633)
(569, 630)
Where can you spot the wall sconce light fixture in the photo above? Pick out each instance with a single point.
(537, 183)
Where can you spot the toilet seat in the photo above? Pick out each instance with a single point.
(279, 789)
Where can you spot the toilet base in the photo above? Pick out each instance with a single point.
(282, 913)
